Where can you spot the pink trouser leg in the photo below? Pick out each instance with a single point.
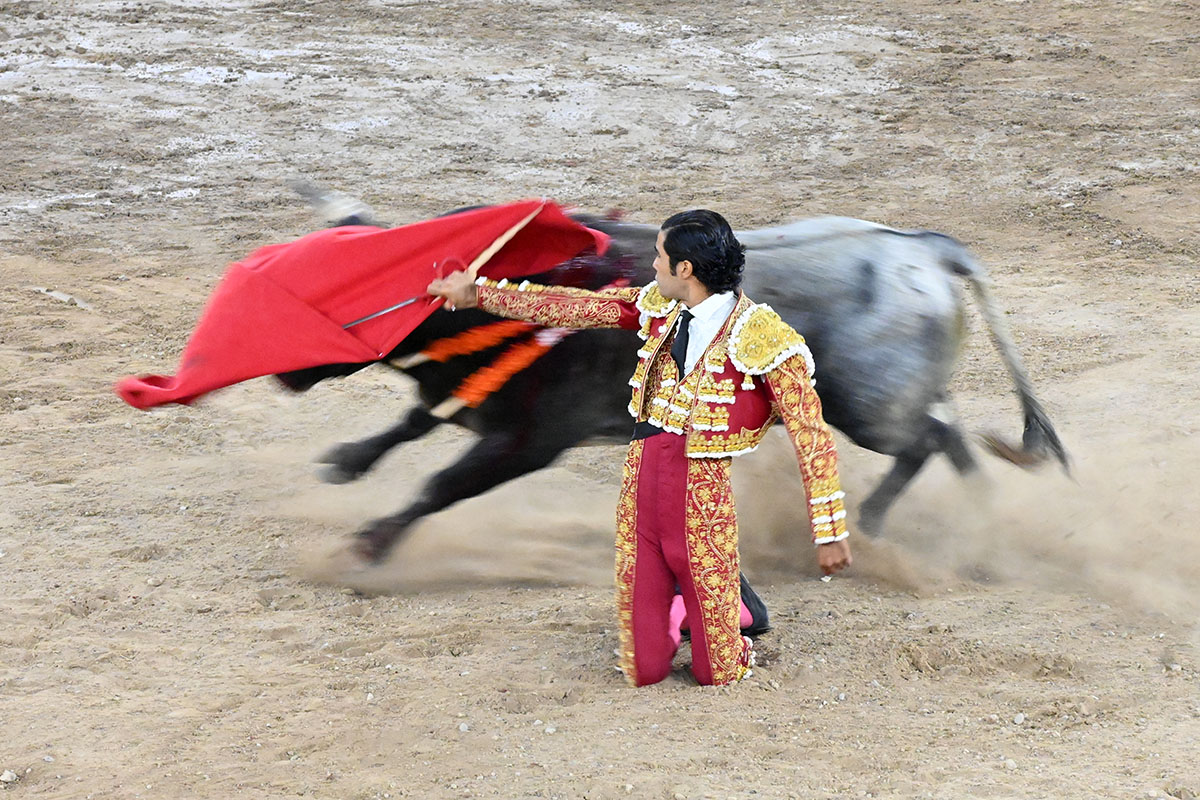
(679, 620)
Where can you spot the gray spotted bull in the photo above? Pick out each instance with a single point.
(881, 310)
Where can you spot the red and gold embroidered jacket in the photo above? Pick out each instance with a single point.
(757, 368)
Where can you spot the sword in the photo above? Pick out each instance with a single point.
(387, 310)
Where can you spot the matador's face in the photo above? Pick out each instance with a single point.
(671, 284)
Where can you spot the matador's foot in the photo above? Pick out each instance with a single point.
(747, 662)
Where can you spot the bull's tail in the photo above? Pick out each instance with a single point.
(1039, 441)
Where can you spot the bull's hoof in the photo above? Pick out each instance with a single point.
(375, 541)
(370, 545)
(336, 473)
(343, 463)
(870, 520)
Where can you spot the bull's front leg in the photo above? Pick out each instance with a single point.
(938, 437)
(495, 459)
(349, 460)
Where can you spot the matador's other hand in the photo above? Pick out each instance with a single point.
(457, 289)
(833, 556)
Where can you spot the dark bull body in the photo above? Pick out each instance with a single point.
(881, 310)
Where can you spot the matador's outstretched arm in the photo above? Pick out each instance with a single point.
(552, 306)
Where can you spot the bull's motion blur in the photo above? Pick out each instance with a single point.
(881, 310)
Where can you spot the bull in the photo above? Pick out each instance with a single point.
(881, 309)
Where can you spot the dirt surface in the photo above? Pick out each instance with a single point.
(175, 619)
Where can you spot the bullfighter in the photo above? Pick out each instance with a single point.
(715, 371)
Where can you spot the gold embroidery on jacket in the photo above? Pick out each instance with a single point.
(800, 407)
(706, 417)
(716, 390)
(700, 405)
(556, 306)
(761, 340)
(703, 444)
(651, 302)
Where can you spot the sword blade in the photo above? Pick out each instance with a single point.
(380, 313)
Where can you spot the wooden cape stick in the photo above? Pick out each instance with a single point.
(501, 240)
(452, 405)
(472, 270)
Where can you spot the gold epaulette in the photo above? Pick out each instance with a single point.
(760, 341)
(651, 302)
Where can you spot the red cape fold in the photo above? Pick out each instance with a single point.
(283, 308)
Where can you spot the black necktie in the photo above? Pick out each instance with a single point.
(679, 346)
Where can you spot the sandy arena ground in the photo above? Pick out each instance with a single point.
(175, 620)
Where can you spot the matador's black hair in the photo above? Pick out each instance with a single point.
(705, 239)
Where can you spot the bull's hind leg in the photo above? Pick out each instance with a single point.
(939, 437)
(493, 460)
(349, 460)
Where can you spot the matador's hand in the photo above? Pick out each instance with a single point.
(833, 556)
(458, 290)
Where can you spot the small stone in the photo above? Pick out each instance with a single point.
(1010, 764)
(48, 759)
(842, 697)
(551, 729)
(8, 776)
(154, 580)
(1175, 667)
(1019, 719)
(370, 696)
(629, 788)
(464, 727)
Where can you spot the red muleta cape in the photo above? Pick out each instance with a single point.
(283, 308)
